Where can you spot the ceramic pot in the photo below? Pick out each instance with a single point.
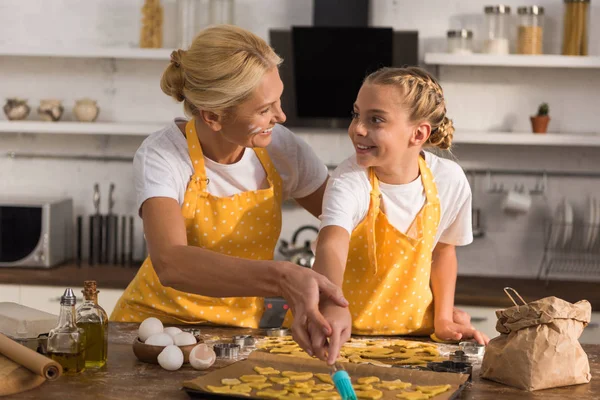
(16, 109)
(539, 124)
(86, 110)
(50, 110)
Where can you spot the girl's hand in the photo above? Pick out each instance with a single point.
(304, 289)
(327, 347)
(451, 331)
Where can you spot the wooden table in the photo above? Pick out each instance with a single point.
(126, 378)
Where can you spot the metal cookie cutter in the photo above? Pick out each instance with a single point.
(278, 332)
(472, 349)
(244, 340)
(227, 350)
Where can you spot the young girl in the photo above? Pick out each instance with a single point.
(392, 216)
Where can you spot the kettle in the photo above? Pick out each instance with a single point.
(300, 255)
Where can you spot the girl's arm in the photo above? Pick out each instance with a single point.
(330, 261)
(444, 268)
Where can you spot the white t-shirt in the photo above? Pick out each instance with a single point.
(162, 167)
(347, 198)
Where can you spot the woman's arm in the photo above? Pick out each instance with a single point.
(313, 203)
(195, 270)
(444, 268)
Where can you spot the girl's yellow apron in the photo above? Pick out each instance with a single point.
(387, 273)
(245, 225)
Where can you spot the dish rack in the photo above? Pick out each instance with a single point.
(571, 248)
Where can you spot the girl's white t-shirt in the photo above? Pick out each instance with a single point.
(162, 167)
(347, 198)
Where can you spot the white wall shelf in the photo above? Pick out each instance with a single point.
(100, 52)
(527, 139)
(79, 128)
(513, 60)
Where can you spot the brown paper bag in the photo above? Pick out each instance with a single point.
(538, 347)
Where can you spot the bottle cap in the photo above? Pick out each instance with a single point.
(68, 298)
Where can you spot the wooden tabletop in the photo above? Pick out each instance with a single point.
(470, 290)
(124, 377)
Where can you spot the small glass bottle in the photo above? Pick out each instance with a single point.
(498, 27)
(576, 27)
(66, 342)
(531, 30)
(93, 320)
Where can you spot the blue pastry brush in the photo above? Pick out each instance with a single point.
(342, 382)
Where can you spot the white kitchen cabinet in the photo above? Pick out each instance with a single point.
(9, 293)
(47, 298)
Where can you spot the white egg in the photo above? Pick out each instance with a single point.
(171, 358)
(202, 357)
(160, 339)
(171, 330)
(184, 339)
(149, 327)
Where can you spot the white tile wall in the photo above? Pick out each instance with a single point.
(478, 99)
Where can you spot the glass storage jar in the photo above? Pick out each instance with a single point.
(460, 41)
(497, 20)
(530, 34)
(576, 26)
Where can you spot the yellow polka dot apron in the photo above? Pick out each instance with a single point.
(245, 225)
(387, 274)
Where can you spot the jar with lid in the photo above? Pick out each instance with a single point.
(576, 25)
(460, 41)
(497, 22)
(531, 30)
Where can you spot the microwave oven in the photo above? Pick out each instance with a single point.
(35, 232)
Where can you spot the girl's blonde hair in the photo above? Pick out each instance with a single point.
(423, 97)
(220, 70)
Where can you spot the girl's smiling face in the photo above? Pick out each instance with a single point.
(381, 129)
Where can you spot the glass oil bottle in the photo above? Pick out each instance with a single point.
(66, 342)
(93, 320)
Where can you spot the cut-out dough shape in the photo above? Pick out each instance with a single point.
(272, 394)
(394, 385)
(438, 340)
(323, 386)
(230, 382)
(297, 376)
(266, 371)
(280, 380)
(372, 394)
(326, 396)
(219, 389)
(362, 387)
(325, 378)
(303, 384)
(253, 378)
(433, 390)
(413, 396)
(299, 390)
(259, 385)
(365, 380)
(242, 388)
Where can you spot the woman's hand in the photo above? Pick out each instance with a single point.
(304, 289)
(339, 318)
(450, 330)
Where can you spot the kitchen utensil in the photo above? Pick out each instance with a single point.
(472, 349)
(244, 340)
(149, 354)
(278, 332)
(557, 228)
(476, 223)
(568, 222)
(300, 255)
(123, 239)
(342, 382)
(96, 229)
(226, 350)
(79, 237)
(111, 227)
(589, 218)
(517, 202)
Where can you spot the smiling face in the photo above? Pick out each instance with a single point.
(250, 124)
(381, 130)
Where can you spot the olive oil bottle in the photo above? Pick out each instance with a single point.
(66, 342)
(93, 320)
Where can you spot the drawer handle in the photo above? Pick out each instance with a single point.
(479, 319)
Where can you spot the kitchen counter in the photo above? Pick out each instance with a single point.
(124, 377)
(470, 290)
